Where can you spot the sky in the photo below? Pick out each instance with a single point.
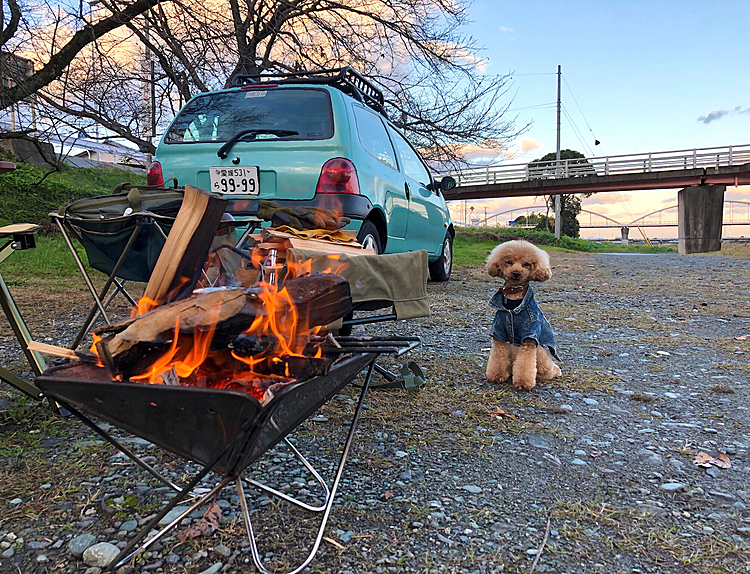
(638, 76)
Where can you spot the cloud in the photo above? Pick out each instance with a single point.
(505, 29)
(711, 116)
(528, 144)
(607, 199)
(718, 114)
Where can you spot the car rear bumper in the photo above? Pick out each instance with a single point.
(356, 207)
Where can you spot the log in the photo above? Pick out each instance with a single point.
(179, 265)
(131, 347)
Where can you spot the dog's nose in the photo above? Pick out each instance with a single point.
(516, 274)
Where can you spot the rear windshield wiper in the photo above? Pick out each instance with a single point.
(224, 150)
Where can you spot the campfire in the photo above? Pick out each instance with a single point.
(244, 339)
(255, 335)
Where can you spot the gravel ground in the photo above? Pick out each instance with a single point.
(591, 473)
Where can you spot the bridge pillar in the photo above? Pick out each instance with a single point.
(700, 213)
(624, 232)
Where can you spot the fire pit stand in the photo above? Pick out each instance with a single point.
(223, 430)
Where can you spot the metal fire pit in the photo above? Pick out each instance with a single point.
(223, 430)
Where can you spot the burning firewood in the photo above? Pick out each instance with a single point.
(189, 329)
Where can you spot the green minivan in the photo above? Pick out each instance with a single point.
(312, 139)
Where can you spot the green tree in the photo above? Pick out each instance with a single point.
(570, 206)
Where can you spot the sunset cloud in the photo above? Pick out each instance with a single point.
(718, 114)
(607, 199)
(529, 144)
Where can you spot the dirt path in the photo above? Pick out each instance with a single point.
(597, 465)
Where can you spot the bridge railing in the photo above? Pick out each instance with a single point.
(714, 157)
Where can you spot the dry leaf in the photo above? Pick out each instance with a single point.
(204, 526)
(388, 494)
(597, 453)
(741, 338)
(499, 413)
(705, 460)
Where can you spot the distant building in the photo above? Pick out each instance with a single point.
(106, 152)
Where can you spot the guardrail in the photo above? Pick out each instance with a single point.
(608, 165)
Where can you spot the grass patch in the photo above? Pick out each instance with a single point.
(27, 196)
(50, 258)
(472, 245)
(646, 536)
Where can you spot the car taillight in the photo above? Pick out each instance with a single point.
(338, 176)
(154, 174)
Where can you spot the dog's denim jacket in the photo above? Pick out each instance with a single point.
(524, 322)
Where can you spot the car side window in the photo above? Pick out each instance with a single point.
(411, 164)
(373, 137)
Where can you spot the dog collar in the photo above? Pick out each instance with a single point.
(512, 290)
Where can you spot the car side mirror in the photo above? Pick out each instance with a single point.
(447, 183)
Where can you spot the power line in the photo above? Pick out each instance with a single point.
(534, 107)
(577, 131)
(579, 109)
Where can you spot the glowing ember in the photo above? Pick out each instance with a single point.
(274, 357)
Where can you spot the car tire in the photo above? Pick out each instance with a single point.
(369, 237)
(440, 269)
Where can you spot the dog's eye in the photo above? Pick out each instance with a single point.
(509, 262)
(527, 264)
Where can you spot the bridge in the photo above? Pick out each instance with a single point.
(730, 208)
(701, 174)
(731, 217)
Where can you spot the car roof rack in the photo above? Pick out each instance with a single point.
(345, 79)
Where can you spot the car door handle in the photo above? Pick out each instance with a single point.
(406, 190)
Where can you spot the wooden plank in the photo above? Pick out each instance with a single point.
(178, 268)
(329, 246)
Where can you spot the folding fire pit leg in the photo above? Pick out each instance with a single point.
(329, 502)
(291, 499)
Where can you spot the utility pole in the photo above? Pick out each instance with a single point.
(558, 202)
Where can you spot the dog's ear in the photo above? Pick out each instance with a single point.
(494, 261)
(541, 273)
(493, 268)
(542, 270)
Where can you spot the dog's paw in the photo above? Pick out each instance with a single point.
(523, 383)
(556, 372)
(497, 373)
(495, 376)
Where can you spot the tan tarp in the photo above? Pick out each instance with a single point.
(377, 281)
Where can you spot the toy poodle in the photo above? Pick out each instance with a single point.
(522, 339)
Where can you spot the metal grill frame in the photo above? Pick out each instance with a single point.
(241, 448)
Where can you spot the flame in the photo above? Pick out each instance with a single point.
(191, 357)
(95, 351)
(145, 305)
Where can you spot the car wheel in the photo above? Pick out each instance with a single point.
(369, 237)
(440, 270)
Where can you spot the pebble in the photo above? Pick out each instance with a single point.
(128, 525)
(16, 502)
(100, 554)
(80, 543)
(472, 489)
(578, 462)
(172, 515)
(591, 402)
(213, 569)
(672, 486)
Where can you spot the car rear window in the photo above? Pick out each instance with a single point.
(217, 117)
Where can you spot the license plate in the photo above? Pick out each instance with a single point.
(235, 180)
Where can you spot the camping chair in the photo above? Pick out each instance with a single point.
(20, 237)
(394, 284)
(122, 234)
